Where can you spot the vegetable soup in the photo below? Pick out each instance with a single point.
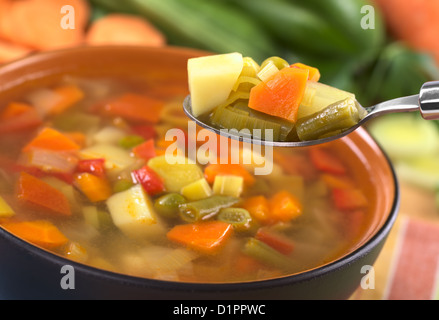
(85, 173)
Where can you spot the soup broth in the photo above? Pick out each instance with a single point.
(85, 172)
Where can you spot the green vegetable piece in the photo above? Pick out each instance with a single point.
(266, 254)
(122, 185)
(168, 204)
(205, 208)
(129, 142)
(277, 61)
(339, 116)
(239, 218)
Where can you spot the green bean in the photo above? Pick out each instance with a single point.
(266, 254)
(205, 208)
(335, 118)
(122, 185)
(168, 204)
(239, 218)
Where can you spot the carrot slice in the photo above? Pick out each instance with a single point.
(280, 95)
(259, 209)
(69, 95)
(18, 117)
(124, 29)
(95, 188)
(40, 232)
(40, 24)
(51, 139)
(284, 206)
(34, 191)
(212, 170)
(325, 161)
(349, 199)
(206, 237)
(135, 107)
(314, 73)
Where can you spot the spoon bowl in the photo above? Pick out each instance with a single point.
(427, 102)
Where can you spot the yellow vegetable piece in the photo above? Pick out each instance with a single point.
(176, 172)
(228, 185)
(197, 190)
(5, 210)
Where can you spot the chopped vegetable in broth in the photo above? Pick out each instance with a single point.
(85, 173)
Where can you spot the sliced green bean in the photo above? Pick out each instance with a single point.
(239, 218)
(205, 208)
(168, 204)
(335, 118)
(266, 254)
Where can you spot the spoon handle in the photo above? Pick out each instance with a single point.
(429, 100)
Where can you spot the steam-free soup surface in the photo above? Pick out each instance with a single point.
(84, 173)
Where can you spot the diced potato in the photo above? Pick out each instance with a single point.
(197, 190)
(133, 213)
(176, 172)
(5, 210)
(116, 158)
(109, 135)
(319, 96)
(228, 185)
(211, 80)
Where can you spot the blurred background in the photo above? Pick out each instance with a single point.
(377, 49)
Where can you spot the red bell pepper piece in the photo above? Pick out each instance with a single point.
(324, 161)
(145, 150)
(275, 241)
(145, 131)
(94, 166)
(150, 180)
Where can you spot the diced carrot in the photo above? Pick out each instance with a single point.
(135, 107)
(212, 170)
(259, 209)
(124, 29)
(145, 150)
(20, 122)
(314, 73)
(95, 188)
(14, 109)
(349, 199)
(78, 137)
(284, 206)
(34, 191)
(68, 95)
(326, 162)
(39, 232)
(207, 237)
(51, 139)
(41, 24)
(280, 95)
(245, 264)
(277, 242)
(337, 181)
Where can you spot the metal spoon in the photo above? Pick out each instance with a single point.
(427, 102)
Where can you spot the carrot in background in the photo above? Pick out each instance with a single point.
(10, 51)
(41, 233)
(414, 21)
(124, 29)
(37, 23)
(212, 170)
(51, 139)
(34, 191)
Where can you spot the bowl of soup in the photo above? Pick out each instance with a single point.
(108, 191)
